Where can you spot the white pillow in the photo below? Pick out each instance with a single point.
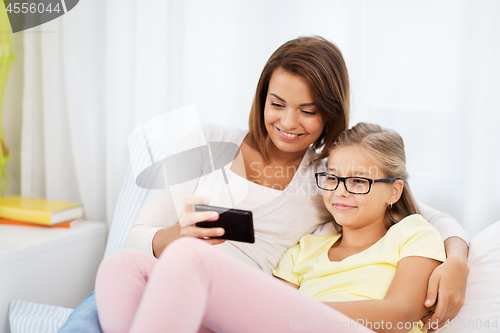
(481, 310)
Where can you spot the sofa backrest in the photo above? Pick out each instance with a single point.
(127, 208)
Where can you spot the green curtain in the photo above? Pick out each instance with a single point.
(6, 60)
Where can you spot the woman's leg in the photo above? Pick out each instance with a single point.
(195, 283)
(119, 286)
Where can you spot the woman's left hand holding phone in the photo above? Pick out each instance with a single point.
(186, 226)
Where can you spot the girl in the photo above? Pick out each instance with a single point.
(374, 273)
(301, 105)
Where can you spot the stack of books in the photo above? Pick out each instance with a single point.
(19, 210)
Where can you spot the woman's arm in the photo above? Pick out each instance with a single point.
(403, 302)
(157, 212)
(444, 223)
(157, 224)
(448, 282)
(186, 227)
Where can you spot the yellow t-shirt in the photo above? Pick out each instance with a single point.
(364, 275)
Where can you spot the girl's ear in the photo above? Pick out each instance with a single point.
(396, 191)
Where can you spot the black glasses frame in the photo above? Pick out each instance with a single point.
(343, 180)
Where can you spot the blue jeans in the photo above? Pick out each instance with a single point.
(84, 318)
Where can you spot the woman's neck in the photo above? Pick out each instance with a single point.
(277, 172)
(278, 157)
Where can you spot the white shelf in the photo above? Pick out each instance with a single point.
(54, 266)
(19, 241)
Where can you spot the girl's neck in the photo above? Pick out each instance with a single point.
(362, 237)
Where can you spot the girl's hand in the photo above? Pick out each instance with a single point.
(447, 283)
(186, 226)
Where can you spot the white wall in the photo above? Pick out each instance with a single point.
(428, 69)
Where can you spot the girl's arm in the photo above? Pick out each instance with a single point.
(447, 283)
(403, 303)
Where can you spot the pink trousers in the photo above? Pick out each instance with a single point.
(194, 287)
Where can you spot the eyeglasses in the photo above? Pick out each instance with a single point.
(355, 185)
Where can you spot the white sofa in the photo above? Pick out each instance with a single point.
(481, 309)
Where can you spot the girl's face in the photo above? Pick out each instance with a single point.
(290, 114)
(357, 211)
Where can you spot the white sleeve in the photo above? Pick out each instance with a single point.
(162, 208)
(444, 223)
(157, 212)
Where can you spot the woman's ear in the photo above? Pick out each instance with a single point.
(396, 191)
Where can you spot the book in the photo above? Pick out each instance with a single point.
(68, 224)
(39, 211)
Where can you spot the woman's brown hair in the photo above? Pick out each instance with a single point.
(321, 63)
(387, 149)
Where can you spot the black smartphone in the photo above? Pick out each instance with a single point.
(237, 223)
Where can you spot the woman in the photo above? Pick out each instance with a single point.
(372, 275)
(301, 105)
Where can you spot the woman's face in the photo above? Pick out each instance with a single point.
(357, 210)
(290, 114)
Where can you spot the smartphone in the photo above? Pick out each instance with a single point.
(237, 223)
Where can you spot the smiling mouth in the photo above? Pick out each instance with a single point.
(290, 135)
(343, 207)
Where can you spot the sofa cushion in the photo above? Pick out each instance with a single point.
(481, 310)
(27, 317)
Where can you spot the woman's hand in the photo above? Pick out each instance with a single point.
(189, 216)
(447, 284)
(186, 226)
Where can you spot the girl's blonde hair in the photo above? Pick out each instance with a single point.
(387, 149)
